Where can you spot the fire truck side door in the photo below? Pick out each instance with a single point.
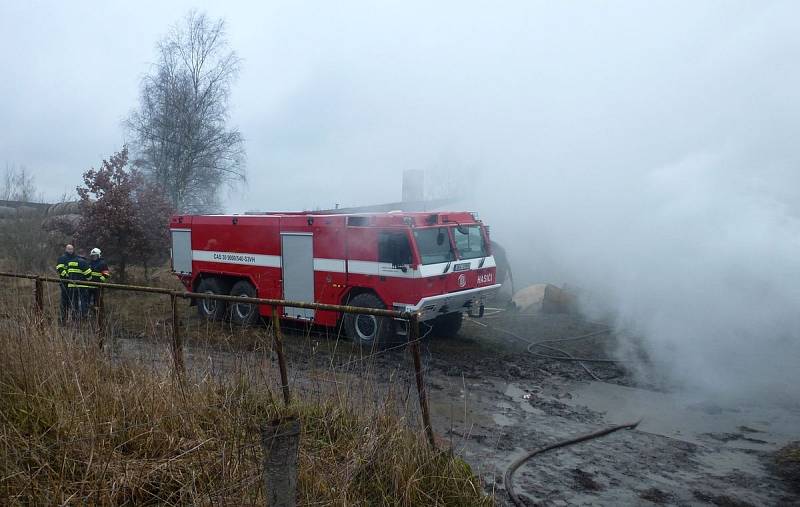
(297, 260)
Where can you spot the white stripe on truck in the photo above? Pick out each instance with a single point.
(246, 259)
(331, 265)
(342, 266)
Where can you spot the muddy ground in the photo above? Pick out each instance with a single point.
(492, 401)
(686, 451)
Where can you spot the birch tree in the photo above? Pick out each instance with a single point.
(182, 140)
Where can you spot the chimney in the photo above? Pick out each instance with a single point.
(413, 185)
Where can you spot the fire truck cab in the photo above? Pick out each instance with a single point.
(438, 264)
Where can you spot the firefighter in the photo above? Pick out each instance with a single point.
(100, 273)
(63, 266)
(82, 273)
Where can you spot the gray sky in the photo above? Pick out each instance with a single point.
(331, 94)
(645, 151)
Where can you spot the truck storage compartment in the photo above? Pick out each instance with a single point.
(181, 250)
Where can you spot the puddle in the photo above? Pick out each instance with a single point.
(730, 461)
(521, 398)
(514, 392)
(503, 420)
(744, 426)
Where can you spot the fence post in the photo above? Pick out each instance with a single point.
(276, 331)
(280, 440)
(38, 299)
(413, 338)
(101, 317)
(177, 341)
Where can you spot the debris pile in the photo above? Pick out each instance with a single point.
(543, 298)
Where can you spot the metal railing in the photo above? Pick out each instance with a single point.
(412, 318)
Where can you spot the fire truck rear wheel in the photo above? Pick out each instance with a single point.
(209, 308)
(448, 325)
(242, 313)
(366, 330)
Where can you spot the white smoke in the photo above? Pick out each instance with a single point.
(696, 257)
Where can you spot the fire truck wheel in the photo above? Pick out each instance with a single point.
(366, 330)
(209, 308)
(243, 313)
(448, 325)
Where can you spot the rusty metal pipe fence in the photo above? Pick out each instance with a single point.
(412, 318)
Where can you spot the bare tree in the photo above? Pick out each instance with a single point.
(26, 246)
(182, 140)
(17, 184)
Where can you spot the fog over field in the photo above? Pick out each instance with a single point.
(644, 152)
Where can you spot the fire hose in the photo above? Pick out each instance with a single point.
(565, 356)
(508, 481)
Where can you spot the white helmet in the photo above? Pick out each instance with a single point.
(95, 251)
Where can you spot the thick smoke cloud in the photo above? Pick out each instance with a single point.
(703, 268)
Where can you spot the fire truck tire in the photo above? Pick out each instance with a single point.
(448, 325)
(208, 308)
(366, 330)
(243, 314)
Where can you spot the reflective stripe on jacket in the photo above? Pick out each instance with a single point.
(62, 264)
(78, 270)
(100, 272)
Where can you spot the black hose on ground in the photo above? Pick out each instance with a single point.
(508, 481)
(566, 356)
(579, 337)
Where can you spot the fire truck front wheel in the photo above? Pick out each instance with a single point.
(242, 313)
(367, 330)
(210, 309)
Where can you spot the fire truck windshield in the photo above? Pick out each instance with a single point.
(434, 245)
(469, 242)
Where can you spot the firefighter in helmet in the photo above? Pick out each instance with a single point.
(100, 273)
(72, 269)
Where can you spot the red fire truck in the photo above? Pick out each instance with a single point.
(438, 264)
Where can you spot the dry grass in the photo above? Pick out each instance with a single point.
(26, 247)
(79, 427)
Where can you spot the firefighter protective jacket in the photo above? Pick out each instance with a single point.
(100, 272)
(74, 269)
(62, 265)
